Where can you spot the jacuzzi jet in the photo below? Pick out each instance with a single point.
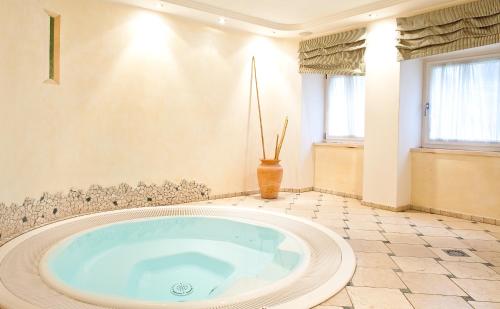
(182, 289)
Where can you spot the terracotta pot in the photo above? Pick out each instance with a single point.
(269, 174)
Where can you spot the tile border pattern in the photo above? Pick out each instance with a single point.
(17, 219)
(32, 213)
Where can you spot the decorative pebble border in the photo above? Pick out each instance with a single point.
(16, 219)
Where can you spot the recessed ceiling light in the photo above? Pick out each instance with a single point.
(222, 20)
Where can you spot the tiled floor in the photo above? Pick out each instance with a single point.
(404, 260)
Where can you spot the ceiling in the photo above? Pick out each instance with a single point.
(288, 12)
(290, 18)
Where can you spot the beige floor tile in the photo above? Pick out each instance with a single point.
(363, 225)
(331, 209)
(330, 197)
(312, 194)
(304, 207)
(393, 220)
(379, 298)
(361, 211)
(445, 242)
(339, 231)
(368, 246)
(331, 203)
(420, 265)
(430, 284)
(366, 235)
(471, 257)
(470, 234)
(411, 250)
(435, 231)
(226, 201)
(301, 213)
(413, 214)
(496, 268)
(495, 234)
(280, 204)
(330, 215)
(484, 305)
(330, 222)
(464, 225)
(353, 202)
(255, 197)
(398, 238)
(340, 299)
(249, 205)
(494, 228)
(424, 301)
(377, 278)
(359, 217)
(480, 290)
(388, 213)
(374, 260)
(489, 256)
(483, 245)
(398, 228)
(251, 202)
(275, 209)
(471, 270)
(448, 218)
(427, 222)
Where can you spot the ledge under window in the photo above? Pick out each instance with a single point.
(339, 145)
(458, 152)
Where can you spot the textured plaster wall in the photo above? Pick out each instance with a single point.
(458, 183)
(339, 169)
(144, 96)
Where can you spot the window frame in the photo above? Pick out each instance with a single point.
(337, 139)
(456, 145)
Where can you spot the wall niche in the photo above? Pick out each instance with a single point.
(54, 74)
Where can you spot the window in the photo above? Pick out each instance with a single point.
(463, 104)
(345, 108)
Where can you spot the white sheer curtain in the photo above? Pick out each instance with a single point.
(346, 106)
(464, 102)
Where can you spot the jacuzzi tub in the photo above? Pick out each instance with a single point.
(175, 257)
(172, 260)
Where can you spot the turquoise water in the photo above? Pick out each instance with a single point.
(175, 259)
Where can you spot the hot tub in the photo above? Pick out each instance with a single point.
(175, 257)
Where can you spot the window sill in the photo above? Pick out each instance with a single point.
(458, 152)
(339, 145)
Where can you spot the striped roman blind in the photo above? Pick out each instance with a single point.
(455, 28)
(339, 53)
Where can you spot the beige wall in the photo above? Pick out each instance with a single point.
(467, 184)
(381, 114)
(410, 123)
(339, 168)
(143, 96)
